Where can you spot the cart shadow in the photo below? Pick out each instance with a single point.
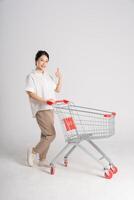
(20, 158)
(83, 171)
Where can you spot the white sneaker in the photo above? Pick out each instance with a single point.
(30, 157)
(43, 163)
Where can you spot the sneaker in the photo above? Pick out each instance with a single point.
(43, 163)
(30, 157)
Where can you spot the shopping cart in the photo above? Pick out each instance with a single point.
(84, 124)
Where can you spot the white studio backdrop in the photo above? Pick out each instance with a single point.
(92, 42)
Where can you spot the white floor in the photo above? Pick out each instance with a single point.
(82, 179)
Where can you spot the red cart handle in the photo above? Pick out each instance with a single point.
(58, 101)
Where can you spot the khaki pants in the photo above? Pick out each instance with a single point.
(45, 120)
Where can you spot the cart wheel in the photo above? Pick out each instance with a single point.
(65, 162)
(108, 174)
(52, 170)
(114, 169)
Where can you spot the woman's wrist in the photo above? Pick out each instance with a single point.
(44, 101)
(59, 78)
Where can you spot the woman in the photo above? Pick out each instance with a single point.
(41, 88)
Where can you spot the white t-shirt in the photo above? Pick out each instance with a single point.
(43, 85)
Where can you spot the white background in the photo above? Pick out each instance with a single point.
(92, 41)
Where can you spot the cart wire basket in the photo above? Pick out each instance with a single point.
(84, 124)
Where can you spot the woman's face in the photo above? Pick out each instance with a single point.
(42, 62)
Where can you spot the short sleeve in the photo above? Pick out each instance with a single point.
(29, 84)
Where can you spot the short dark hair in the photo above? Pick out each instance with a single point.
(40, 53)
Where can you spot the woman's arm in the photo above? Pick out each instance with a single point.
(35, 97)
(39, 99)
(59, 82)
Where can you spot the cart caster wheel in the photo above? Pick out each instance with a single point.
(114, 169)
(52, 170)
(65, 162)
(108, 174)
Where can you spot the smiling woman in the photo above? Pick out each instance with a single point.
(41, 60)
(41, 88)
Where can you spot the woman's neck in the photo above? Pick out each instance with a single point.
(39, 71)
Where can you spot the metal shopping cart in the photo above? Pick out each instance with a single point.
(84, 124)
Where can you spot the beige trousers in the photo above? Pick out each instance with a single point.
(45, 120)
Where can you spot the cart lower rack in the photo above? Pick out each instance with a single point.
(84, 124)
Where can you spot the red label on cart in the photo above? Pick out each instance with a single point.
(69, 123)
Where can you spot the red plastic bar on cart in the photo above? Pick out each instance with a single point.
(58, 101)
(113, 113)
(110, 115)
(107, 115)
